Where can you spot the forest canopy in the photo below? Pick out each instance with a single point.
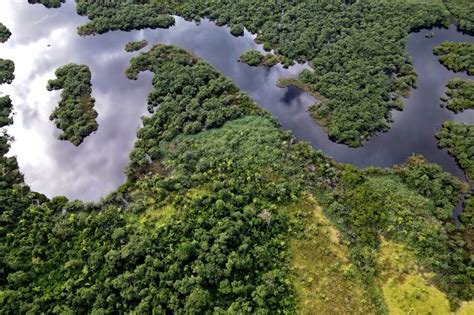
(75, 114)
(462, 10)
(212, 203)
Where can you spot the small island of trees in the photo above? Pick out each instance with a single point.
(460, 95)
(75, 114)
(135, 46)
(255, 58)
(4, 33)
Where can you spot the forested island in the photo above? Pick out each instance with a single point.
(225, 212)
(460, 95)
(75, 114)
(456, 56)
(135, 46)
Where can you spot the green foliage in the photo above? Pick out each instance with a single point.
(462, 10)
(122, 15)
(7, 68)
(255, 58)
(135, 46)
(458, 139)
(75, 114)
(48, 3)
(201, 225)
(456, 56)
(4, 33)
(460, 95)
(191, 95)
(357, 49)
(5, 111)
(237, 29)
(467, 217)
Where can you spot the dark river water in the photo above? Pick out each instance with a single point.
(94, 169)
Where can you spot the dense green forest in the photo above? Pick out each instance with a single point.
(460, 95)
(75, 114)
(462, 10)
(4, 33)
(356, 49)
(255, 58)
(135, 46)
(458, 139)
(456, 56)
(219, 208)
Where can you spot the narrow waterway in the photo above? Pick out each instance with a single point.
(45, 39)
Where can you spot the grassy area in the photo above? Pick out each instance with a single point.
(324, 278)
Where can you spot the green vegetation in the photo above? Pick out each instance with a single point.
(458, 139)
(135, 46)
(462, 10)
(460, 95)
(4, 33)
(357, 49)
(75, 114)
(219, 215)
(7, 69)
(255, 58)
(48, 3)
(456, 56)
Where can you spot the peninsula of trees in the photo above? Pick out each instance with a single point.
(458, 139)
(223, 212)
(75, 114)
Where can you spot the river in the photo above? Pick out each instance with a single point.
(45, 39)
